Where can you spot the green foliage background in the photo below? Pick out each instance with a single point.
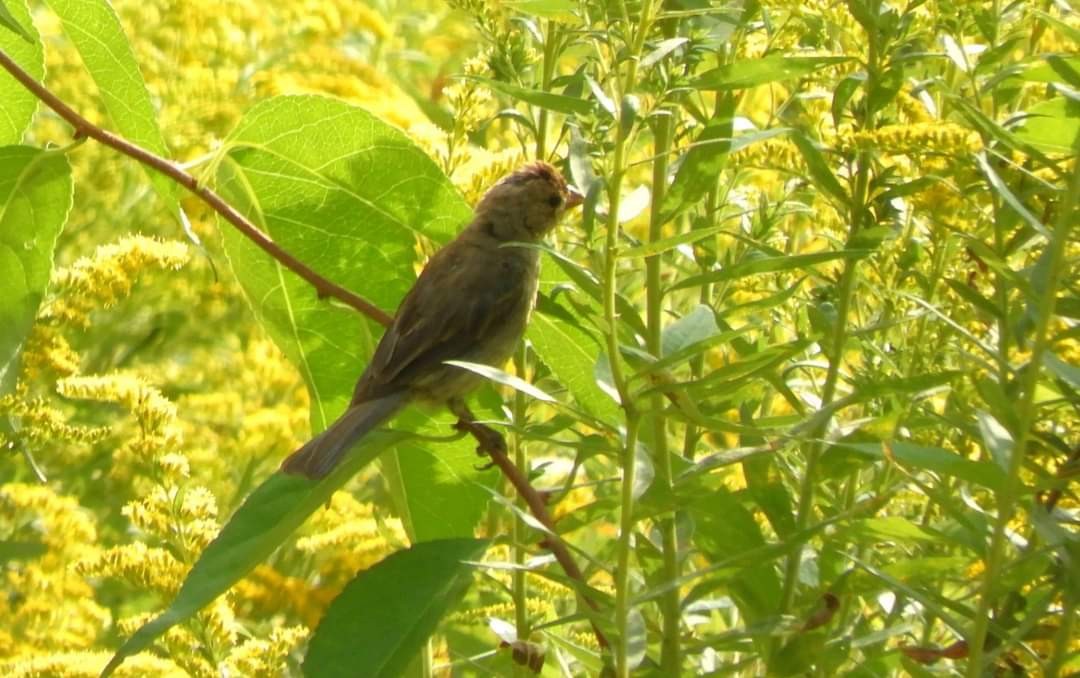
(803, 372)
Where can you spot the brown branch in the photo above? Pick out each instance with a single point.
(85, 128)
(491, 444)
(324, 288)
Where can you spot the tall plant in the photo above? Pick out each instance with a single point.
(800, 392)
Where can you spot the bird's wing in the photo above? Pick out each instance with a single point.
(456, 302)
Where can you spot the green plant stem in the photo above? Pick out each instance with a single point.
(858, 209)
(551, 43)
(1009, 496)
(622, 568)
(670, 660)
(519, 588)
(1063, 636)
(611, 258)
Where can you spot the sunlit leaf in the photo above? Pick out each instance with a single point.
(21, 44)
(15, 23)
(754, 72)
(768, 265)
(35, 198)
(95, 30)
(559, 103)
(1053, 126)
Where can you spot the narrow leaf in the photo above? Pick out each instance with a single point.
(754, 72)
(259, 526)
(501, 377)
(820, 171)
(704, 161)
(768, 265)
(559, 103)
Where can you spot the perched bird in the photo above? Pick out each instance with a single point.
(470, 303)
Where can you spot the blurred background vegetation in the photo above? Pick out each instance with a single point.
(825, 283)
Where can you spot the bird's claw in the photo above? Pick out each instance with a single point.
(489, 440)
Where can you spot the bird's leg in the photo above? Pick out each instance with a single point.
(489, 440)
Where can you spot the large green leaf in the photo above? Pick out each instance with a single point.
(351, 197)
(754, 72)
(266, 518)
(385, 615)
(1053, 126)
(35, 198)
(17, 105)
(95, 30)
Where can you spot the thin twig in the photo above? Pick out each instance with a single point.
(85, 128)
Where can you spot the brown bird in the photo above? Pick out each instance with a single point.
(470, 303)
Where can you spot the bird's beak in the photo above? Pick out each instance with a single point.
(573, 197)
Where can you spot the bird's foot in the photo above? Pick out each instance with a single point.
(489, 441)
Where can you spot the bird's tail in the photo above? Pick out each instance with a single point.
(323, 452)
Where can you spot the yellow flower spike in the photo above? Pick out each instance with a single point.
(256, 657)
(88, 665)
(142, 566)
(106, 277)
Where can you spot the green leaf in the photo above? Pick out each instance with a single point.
(269, 515)
(768, 265)
(15, 24)
(571, 354)
(697, 325)
(820, 171)
(662, 49)
(1052, 69)
(17, 104)
(551, 9)
(1070, 374)
(385, 615)
(996, 438)
(95, 30)
(704, 161)
(442, 493)
(724, 527)
(934, 459)
(35, 198)
(560, 103)
(350, 196)
(1053, 126)
(890, 528)
(569, 351)
(754, 72)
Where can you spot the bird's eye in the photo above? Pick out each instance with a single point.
(555, 200)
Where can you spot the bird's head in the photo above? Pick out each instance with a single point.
(527, 204)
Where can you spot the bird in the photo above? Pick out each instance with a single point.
(471, 302)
